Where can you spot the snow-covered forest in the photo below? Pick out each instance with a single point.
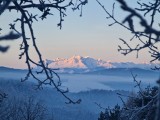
(94, 90)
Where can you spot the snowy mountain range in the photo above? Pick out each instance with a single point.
(78, 62)
(87, 64)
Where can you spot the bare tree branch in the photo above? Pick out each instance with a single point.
(26, 19)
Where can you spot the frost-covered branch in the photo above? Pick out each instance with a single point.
(148, 38)
(26, 20)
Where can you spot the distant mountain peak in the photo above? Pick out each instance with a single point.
(80, 62)
(76, 56)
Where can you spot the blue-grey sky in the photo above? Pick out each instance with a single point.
(88, 35)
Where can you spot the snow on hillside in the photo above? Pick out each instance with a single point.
(91, 63)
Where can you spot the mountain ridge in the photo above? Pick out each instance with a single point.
(91, 63)
(79, 64)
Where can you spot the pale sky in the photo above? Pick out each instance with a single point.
(88, 35)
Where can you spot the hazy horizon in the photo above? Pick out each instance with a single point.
(84, 61)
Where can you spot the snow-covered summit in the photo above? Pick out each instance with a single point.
(92, 63)
(78, 62)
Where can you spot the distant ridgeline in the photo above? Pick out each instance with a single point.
(79, 64)
(8, 69)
